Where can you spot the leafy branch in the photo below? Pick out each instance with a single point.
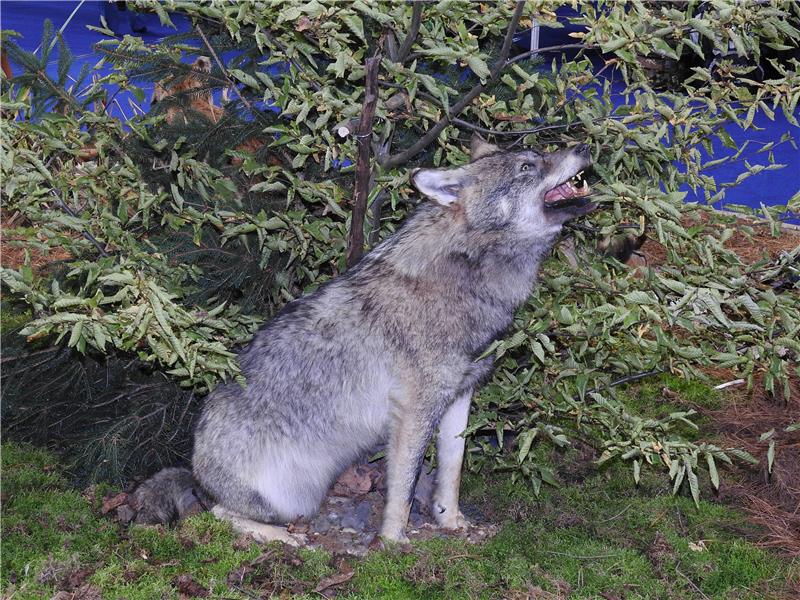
(401, 158)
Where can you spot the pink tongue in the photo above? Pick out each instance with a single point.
(558, 193)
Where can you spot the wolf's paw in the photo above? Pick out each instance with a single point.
(450, 519)
(263, 533)
(401, 544)
(393, 538)
(291, 539)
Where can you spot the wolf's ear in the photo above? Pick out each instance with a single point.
(440, 185)
(479, 147)
(202, 63)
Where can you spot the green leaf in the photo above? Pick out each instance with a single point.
(77, 333)
(524, 442)
(638, 297)
(663, 48)
(743, 455)
(245, 78)
(694, 486)
(712, 470)
(355, 25)
(548, 477)
(538, 351)
(479, 67)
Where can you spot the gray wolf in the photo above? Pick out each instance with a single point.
(384, 354)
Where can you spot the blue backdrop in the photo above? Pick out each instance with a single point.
(26, 17)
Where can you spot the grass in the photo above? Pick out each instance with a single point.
(595, 536)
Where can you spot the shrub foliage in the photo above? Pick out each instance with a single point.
(185, 228)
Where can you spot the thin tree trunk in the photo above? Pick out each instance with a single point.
(355, 249)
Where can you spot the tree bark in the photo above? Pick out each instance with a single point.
(355, 247)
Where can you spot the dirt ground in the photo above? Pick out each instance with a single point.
(762, 244)
(770, 496)
(12, 251)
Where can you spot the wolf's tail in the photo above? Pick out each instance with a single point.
(169, 495)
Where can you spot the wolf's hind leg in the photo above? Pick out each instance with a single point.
(449, 457)
(261, 532)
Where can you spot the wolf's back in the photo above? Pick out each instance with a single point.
(169, 495)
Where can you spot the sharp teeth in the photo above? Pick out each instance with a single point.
(579, 174)
(585, 186)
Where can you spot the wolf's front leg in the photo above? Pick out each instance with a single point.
(405, 454)
(449, 456)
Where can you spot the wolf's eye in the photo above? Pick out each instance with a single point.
(524, 167)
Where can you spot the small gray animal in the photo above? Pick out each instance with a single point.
(386, 353)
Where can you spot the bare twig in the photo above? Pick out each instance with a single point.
(63, 206)
(494, 74)
(514, 132)
(530, 53)
(355, 248)
(375, 216)
(630, 379)
(509, 39)
(582, 556)
(256, 113)
(616, 516)
(222, 68)
(411, 36)
(691, 583)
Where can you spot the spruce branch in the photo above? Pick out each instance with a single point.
(224, 71)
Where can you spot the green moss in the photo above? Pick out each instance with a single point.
(647, 398)
(42, 518)
(12, 319)
(581, 540)
(727, 566)
(694, 391)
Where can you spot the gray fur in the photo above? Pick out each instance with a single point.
(169, 495)
(380, 354)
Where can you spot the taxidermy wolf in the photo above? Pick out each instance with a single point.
(386, 353)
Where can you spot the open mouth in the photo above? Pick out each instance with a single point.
(572, 192)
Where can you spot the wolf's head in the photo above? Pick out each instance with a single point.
(527, 192)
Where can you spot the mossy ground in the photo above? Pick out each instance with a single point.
(595, 536)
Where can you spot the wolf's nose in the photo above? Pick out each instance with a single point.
(582, 149)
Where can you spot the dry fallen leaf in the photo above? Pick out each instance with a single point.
(112, 502)
(355, 481)
(334, 580)
(698, 546)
